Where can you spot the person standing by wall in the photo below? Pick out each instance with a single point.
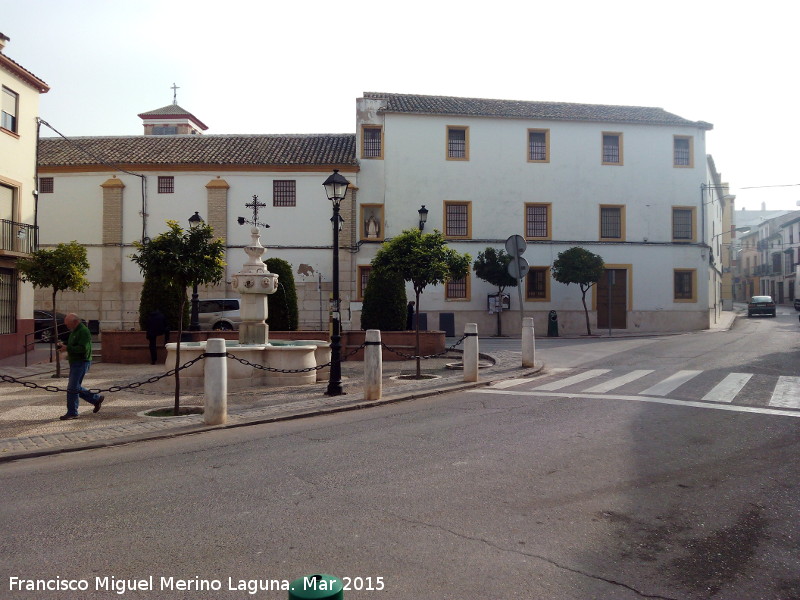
(410, 317)
(79, 355)
(156, 325)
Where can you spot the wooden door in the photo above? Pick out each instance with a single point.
(618, 280)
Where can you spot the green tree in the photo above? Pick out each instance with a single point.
(578, 265)
(282, 305)
(492, 266)
(62, 268)
(187, 257)
(423, 259)
(163, 294)
(385, 303)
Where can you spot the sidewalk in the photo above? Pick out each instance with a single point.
(29, 424)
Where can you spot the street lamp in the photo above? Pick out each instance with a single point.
(194, 323)
(336, 188)
(423, 217)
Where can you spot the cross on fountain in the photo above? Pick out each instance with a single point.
(255, 205)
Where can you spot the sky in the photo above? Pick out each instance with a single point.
(245, 66)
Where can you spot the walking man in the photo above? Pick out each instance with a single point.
(79, 354)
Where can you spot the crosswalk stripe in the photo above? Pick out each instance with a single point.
(786, 392)
(567, 381)
(726, 390)
(501, 385)
(607, 386)
(670, 383)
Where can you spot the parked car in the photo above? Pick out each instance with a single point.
(43, 326)
(219, 314)
(797, 304)
(761, 305)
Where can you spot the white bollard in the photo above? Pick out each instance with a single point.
(216, 383)
(373, 365)
(528, 343)
(471, 352)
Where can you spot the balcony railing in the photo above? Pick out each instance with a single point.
(18, 237)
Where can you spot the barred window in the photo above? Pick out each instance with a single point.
(537, 145)
(682, 152)
(536, 283)
(612, 149)
(166, 184)
(8, 301)
(537, 220)
(363, 278)
(456, 289)
(684, 281)
(284, 192)
(45, 185)
(682, 224)
(611, 222)
(372, 147)
(457, 219)
(457, 142)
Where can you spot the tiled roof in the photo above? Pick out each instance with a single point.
(299, 149)
(18, 70)
(172, 111)
(517, 109)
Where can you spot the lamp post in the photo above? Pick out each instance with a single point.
(336, 188)
(194, 322)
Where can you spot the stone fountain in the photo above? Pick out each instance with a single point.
(254, 283)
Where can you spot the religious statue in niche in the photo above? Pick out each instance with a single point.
(372, 223)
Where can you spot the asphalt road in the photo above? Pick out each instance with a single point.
(508, 494)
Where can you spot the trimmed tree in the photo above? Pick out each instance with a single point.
(578, 265)
(423, 259)
(62, 268)
(282, 305)
(492, 266)
(164, 295)
(385, 303)
(187, 257)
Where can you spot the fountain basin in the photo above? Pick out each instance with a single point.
(285, 355)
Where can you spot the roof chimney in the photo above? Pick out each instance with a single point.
(3, 40)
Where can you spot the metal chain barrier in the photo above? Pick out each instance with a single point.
(113, 388)
(414, 356)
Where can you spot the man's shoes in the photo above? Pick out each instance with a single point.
(98, 403)
(68, 417)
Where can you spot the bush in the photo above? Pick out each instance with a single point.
(385, 302)
(166, 296)
(282, 305)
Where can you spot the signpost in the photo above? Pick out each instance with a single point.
(518, 267)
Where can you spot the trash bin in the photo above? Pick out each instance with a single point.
(552, 324)
(322, 587)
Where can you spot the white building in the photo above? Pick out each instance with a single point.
(19, 109)
(627, 183)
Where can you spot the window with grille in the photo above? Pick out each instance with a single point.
(8, 301)
(166, 184)
(684, 284)
(682, 224)
(372, 146)
(537, 220)
(611, 223)
(457, 219)
(363, 278)
(457, 147)
(612, 148)
(682, 151)
(538, 144)
(284, 192)
(9, 105)
(456, 289)
(536, 283)
(165, 130)
(45, 185)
